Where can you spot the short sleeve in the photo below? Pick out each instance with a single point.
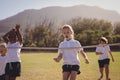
(97, 49)
(19, 45)
(108, 47)
(59, 48)
(79, 45)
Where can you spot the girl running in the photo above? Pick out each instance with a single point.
(71, 62)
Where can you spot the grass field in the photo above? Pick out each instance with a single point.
(40, 66)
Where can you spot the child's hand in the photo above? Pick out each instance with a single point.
(86, 61)
(56, 59)
(113, 60)
(17, 27)
(100, 53)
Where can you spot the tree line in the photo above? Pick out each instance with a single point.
(87, 31)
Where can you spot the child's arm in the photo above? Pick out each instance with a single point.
(99, 53)
(84, 56)
(18, 33)
(111, 56)
(5, 37)
(98, 50)
(58, 58)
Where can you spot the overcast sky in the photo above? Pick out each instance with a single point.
(11, 7)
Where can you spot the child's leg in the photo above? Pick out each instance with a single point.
(2, 77)
(101, 72)
(101, 68)
(7, 77)
(106, 65)
(73, 75)
(12, 78)
(107, 71)
(66, 75)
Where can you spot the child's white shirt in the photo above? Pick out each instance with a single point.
(13, 52)
(105, 50)
(70, 56)
(2, 65)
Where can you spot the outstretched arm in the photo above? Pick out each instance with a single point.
(84, 56)
(58, 58)
(5, 37)
(18, 33)
(111, 56)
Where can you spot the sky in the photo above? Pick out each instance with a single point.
(11, 7)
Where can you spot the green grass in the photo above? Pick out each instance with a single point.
(40, 66)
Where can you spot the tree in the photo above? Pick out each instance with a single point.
(42, 35)
(88, 31)
(117, 28)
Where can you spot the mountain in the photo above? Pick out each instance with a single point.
(31, 17)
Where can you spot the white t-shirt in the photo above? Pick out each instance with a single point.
(2, 64)
(13, 52)
(105, 50)
(70, 56)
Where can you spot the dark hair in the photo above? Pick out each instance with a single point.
(12, 34)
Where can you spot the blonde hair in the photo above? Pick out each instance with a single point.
(104, 39)
(70, 28)
(3, 44)
(3, 49)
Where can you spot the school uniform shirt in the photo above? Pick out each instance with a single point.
(105, 50)
(70, 56)
(2, 64)
(13, 52)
